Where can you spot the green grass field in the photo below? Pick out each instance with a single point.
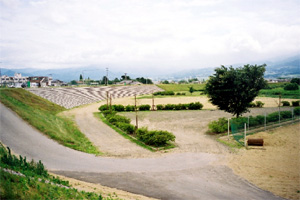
(274, 90)
(289, 94)
(181, 87)
(42, 114)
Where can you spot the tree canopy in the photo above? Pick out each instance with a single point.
(144, 80)
(232, 90)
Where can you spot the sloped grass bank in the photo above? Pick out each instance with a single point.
(42, 114)
(20, 179)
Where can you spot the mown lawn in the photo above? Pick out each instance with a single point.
(181, 87)
(42, 114)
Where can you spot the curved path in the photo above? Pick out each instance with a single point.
(174, 176)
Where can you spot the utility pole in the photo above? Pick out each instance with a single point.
(152, 101)
(110, 104)
(107, 99)
(106, 76)
(279, 106)
(136, 116)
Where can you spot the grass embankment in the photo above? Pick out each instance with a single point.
(42, 114)
(20, 179)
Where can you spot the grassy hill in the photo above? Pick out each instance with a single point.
(42, 114)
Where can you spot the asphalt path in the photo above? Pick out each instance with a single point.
(171, 176)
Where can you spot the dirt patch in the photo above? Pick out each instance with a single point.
(276, 166)
(268, 102)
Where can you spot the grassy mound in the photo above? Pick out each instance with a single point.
(42, 114)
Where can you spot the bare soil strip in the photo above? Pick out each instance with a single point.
(276, 166)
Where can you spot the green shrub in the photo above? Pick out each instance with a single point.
(169, 107)
(129, 108)
(178, 93)
(219, 126)
(103, 107)
(252, 105)
(259, 104)
(183, 93)
(140, 132)
(160, 107)
(108, 112)
(285, 103)
(127, 128)
(195, 106)
(180, 107)
(297, 111)
(118, 108)
(164, 93)
(295, 103)
(285, 114)
(144, 107)
(273, 117)
(155, 138)
(291, 86)
(113, 119)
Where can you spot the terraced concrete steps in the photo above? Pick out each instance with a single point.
(77, 96)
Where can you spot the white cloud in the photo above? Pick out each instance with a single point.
(145, 34)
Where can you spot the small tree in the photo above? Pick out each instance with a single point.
(233, 89)
(192, 89)
(291, 86)
(295, 80)
(80, 77)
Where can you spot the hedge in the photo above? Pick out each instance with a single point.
(127, 128)
(155, 138)
(171, 93)
(144, 107)
(220, 125)
(190, 106)
(129, 108)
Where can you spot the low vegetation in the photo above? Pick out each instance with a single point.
(221, 125)
(189, 106)
(181, 87)
(275, 92)
(20, 179)
(146, 107)
(42, 114)
(154, 138)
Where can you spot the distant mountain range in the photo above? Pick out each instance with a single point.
(289, 67)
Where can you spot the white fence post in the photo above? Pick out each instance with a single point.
(228, 127)
(245, 133)
(265, 121)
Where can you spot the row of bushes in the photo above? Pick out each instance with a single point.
(155, 138)
(146, 107)
(221, 125)
(164, 93)
(294, 103)
(189, 106)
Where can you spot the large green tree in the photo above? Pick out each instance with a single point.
(233, 89)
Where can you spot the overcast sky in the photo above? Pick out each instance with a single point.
(146, 35)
